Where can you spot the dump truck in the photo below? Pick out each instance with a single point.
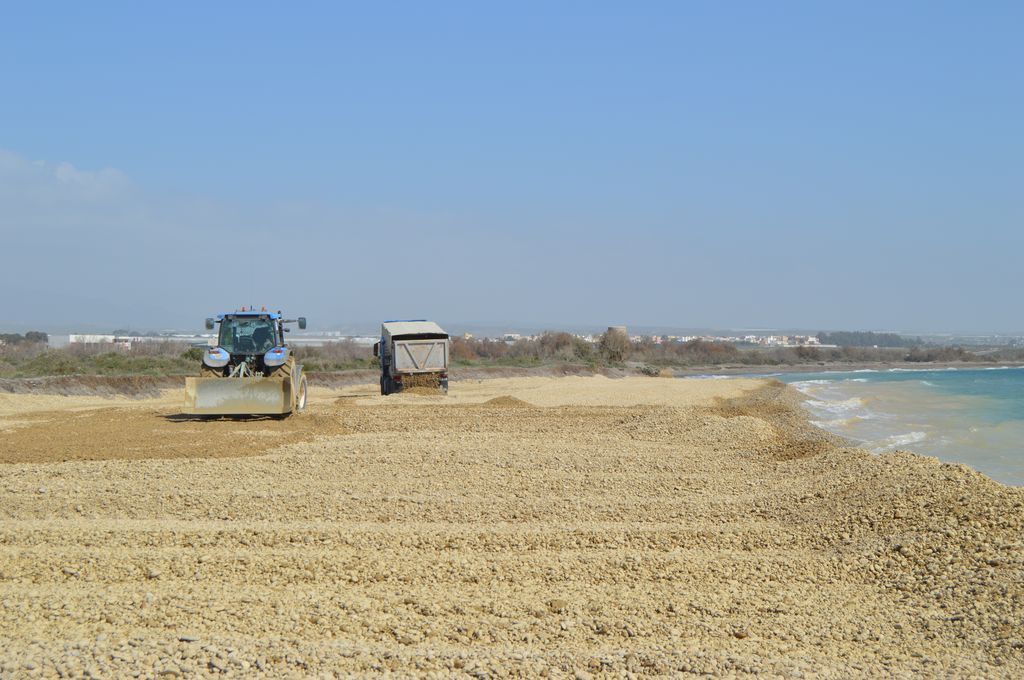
(251, 369)
(412, 353)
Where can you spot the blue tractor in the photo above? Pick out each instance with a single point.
(251, 369)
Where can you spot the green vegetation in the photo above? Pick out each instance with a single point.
(337, 356)
(29, 359)
(553, 347)
(36, 360)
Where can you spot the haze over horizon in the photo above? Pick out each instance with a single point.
(821, 167)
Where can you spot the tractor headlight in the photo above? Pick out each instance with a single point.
(276, 356)
(215, 357)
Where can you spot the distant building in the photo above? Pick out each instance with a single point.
(90, 339)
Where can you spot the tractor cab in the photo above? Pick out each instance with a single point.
(248, 334)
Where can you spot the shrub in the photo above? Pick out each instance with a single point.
(51, 363)
(615, 345)
(192, 354)
(808, 354)
(462, 350)
(583, 350)
(335, 356)
(919, 354)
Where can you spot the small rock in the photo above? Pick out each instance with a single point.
(187, 638)
(558, 605)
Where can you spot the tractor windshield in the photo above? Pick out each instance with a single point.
(247, 334)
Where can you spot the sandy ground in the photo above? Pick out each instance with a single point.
(562, 527)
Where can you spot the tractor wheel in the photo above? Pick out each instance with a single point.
(300, 396)
(285, 370)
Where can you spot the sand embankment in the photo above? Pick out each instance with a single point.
(520, 526)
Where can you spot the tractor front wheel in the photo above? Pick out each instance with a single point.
(300, 397)
(285, 370)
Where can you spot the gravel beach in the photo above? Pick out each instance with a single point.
(562, 527)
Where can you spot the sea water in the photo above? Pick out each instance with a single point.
(971, 416)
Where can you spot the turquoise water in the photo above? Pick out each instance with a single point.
(973, 416)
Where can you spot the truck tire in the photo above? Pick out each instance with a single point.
(301, 395)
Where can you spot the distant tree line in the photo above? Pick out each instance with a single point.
(867, 339)
(29, 356)
(32, 338)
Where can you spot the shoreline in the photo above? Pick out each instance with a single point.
(969, 416)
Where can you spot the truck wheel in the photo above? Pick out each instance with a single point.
(300, 398)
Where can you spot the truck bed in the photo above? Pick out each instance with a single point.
(421, 356)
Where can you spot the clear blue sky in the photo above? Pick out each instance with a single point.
(792, 164)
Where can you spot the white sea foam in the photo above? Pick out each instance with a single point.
(898, 440)
(921, 370)
(812, 382)
(839, 407)
(837, 423)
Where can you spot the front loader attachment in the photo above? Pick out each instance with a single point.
(238, 396)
